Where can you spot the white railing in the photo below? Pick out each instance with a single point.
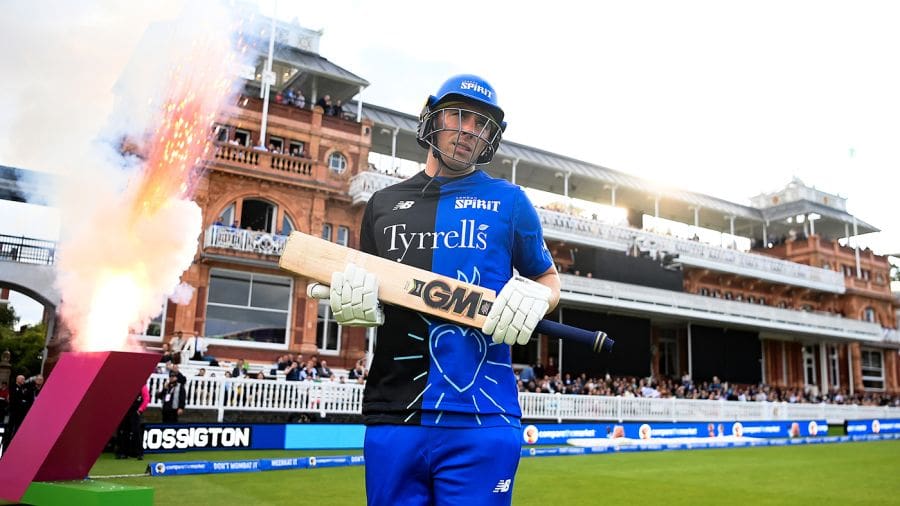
(892, 336)
(239, 394)
(364, 184)
(218, 236)
(331, 398)
(564, 226)
(598, 292)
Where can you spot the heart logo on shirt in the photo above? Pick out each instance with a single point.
(458, 352)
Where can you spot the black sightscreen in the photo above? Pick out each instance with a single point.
(732, 355)
(630, 356)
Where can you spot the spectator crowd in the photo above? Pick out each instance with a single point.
(538, 379)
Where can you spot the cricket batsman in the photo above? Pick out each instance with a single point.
(441, 400)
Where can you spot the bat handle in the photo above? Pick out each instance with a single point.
(598, 340)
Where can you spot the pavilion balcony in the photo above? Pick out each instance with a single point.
(598, 293)
(566, 227)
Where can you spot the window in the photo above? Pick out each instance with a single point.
(326, 231)
(872, 369)
(869, 315)
(242, 137)
(155, 328)
(328, 332)
(834, 366)
(227, 216)
(258, 215)
(287, 226)
(244, 306)
(343, 236)
(296, 148)
(220, 132)
(276, 144)
(809, 365)
(337, 163)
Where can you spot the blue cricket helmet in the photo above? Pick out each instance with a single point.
(463, 88)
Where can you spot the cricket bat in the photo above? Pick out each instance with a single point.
(413, 288)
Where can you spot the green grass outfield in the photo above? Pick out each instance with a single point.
(848, 473)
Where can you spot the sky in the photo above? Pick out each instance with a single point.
(721, 97)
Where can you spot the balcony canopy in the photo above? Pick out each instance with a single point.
(306, 71)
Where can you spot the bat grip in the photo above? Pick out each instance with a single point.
(598, 341)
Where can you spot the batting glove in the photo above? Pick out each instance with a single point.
(353, 297)
(520, 305)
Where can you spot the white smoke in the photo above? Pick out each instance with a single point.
(107, 67)
(182, 294)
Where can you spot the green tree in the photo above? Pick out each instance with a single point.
(8, 316)
(25, 346)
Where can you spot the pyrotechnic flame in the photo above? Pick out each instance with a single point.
(117, 270)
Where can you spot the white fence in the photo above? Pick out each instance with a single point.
(332, 398)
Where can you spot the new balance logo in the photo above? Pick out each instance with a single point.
(404, 204)
(502, 486)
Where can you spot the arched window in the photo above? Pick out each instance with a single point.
(337, 162)
(287, 226)
(258, 215)
(227, 216)
(343, 236)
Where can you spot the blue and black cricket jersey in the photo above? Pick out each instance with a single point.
(427, 371)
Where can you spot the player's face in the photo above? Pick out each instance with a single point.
(463, 133)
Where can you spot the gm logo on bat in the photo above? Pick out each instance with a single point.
(439, 294)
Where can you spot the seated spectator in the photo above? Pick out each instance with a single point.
(358, 373)
(240, 369)
(309, 372)
(201, 347)
(326, 105)
(177, 344)
(299, 100)
(324, 371)
(526, 374)
(167, 354)
(292, 371)
(338, 109)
